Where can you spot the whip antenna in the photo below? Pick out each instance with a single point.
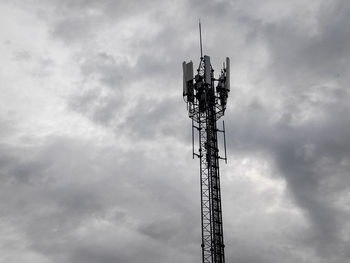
(200, 37)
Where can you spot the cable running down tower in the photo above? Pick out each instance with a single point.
(206, 104)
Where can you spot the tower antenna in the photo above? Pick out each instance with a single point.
(200, 37)
(206, 98)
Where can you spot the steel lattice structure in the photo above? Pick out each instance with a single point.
(206, 105)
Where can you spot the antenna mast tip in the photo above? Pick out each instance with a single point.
(200, 37)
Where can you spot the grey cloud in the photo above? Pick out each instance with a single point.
(315, 156)
(7, 126)
(102, 88)
(38, 65)
(22, 55)
(60, 194)
(114, 77)
(79, 202)
(308, 155)
(312, 157)
(73, 29)
(154, 119)
(115, 74)
(98, 254)
(303, 57)
(110, 71)
(79, 21)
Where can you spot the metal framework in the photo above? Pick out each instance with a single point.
(206, 105)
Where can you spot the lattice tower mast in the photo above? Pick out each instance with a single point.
(206, 104)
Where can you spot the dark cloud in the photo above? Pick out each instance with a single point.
(313, 158)
(62, 196)
(305, 56)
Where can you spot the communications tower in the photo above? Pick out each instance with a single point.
(206, 104)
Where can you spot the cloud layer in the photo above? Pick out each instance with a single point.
(95, 157)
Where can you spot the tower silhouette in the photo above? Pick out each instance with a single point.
(206, 104)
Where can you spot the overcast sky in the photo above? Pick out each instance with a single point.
(95, 146)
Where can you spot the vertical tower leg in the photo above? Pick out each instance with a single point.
(205, 192)
(215, 194)
(211, 212)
